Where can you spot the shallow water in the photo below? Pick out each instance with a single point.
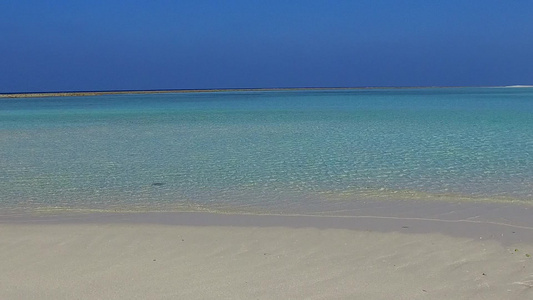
(315, 152)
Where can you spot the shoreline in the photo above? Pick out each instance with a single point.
(506, 224)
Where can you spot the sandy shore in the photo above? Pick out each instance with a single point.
(231, 258)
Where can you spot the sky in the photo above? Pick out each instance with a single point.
(70, 45)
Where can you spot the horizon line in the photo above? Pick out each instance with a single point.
(207, 90)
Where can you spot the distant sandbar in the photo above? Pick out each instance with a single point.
(101, 93)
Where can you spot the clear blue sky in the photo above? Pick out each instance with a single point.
(69, 45)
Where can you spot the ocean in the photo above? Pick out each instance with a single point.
(315, 152)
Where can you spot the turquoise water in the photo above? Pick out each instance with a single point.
(266, 152)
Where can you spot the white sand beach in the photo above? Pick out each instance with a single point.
(155, 261)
